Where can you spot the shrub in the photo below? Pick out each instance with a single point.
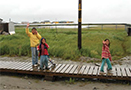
(63, 43)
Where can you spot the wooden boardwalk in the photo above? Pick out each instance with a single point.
(66, 70)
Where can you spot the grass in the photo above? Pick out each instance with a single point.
(71, 81)
(63, 42)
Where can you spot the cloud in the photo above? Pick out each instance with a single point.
(92, 11)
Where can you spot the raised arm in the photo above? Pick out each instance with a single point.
(27, 30)
(104, 42)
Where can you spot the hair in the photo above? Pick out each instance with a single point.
(34, 28)
(109, 42)
(42, 39)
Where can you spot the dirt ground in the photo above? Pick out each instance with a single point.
(28, 82)
(20, 83)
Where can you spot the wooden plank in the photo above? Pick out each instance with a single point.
(53, 68)
(58, 70)
(20, 66)
(65, 68)
(31, 69)
(73, 69)
(49, 66)
(77, 69)
(69, 68)
(123, 72)
(90, 70)
(62, 66)
(4, 65)
(95, 71)
(23, 66)
(28, 65)
(9, 66)
(105, 70)
(15, 65)
(129, 68)
(128, 72)
(86, 70)
(57, 67)
(82, 69)
(1, 64)
(114, 71)
(49, 63)
(118, 72)
(99, 68)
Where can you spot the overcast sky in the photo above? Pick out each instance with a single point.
(40, 10)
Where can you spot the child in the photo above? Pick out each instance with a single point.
(43, 54)
(106, 57)
(34, 41)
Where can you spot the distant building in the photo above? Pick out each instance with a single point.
(24, 22)
(46, 22)
(56, 22)
(62, 21)
(1, 20)
(7, 28)
(70, 21)
(35, 22)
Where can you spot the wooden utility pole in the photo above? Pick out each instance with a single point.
(79, 23)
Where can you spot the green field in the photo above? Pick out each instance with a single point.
(63, 42)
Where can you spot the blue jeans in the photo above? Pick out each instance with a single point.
(43, 61)
(108, 63)
(34, 55)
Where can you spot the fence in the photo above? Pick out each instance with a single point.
(74, 25)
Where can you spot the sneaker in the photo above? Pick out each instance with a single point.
(36, 65)
(41, 69)
(102, 73)
(47, 68)
(110, 71)
(33, 66)
(97, 64)
(54, 65)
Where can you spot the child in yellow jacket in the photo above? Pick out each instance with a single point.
(34, 42)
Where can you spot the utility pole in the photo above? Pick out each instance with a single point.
(79, 23)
